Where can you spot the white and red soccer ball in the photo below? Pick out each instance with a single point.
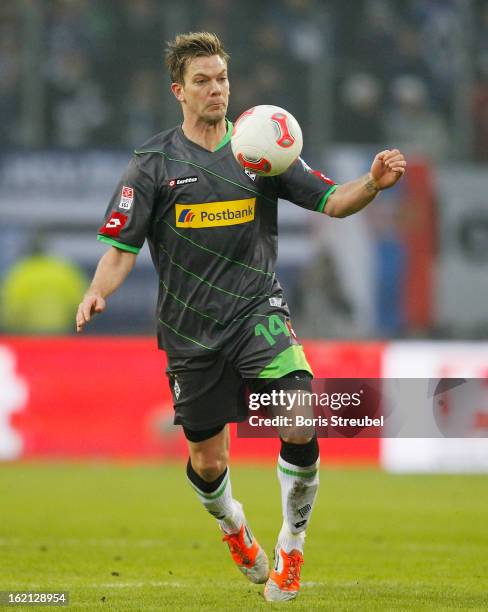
(266, 140)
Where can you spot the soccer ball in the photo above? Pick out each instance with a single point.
(266, 140)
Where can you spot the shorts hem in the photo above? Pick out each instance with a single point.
(210, 424)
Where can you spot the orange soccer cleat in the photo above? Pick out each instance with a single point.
(248, 555)
(284, 580)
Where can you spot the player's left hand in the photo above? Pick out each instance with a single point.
(387, 168)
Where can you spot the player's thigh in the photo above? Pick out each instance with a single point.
(207, 393)
(289, 402)
(270, 358)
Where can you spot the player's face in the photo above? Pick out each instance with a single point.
(205, 92)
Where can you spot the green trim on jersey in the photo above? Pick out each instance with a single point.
(189, 272)
(234, 261)
(291, 359)
(324, 198)
(226, 138)
(119, 245)
(224, 178)
(209, 348)
(207, 316)
(185, 305)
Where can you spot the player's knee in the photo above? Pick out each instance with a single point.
(302, 454)
(210, 466)
(297, 437)
(297, 434)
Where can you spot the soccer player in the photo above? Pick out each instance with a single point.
(222, 318)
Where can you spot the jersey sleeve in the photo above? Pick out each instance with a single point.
(129, 211)
(305, 187)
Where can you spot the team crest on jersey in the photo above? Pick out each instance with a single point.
(177, 390)
(215, 214)
(250, 174)
(126, 198)
(184, 180)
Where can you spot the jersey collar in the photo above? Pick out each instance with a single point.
(226, 138)
(218, 149)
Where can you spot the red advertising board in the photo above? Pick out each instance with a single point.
(108, 398)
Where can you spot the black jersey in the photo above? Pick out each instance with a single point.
(212, 233)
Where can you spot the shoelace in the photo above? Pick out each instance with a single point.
(294, 566)
(236, 548)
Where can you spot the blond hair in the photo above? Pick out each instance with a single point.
(185, 47)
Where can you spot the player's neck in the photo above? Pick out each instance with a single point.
(204, 134)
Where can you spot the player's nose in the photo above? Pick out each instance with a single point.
(216, 87)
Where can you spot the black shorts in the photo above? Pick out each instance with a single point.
(211, 390)
(298, 380)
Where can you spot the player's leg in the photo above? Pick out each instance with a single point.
(208, 473)
(298, 475)
(270, 354)
(207, 395)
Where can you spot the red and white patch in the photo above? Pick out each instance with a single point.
(322, 177)
(126, 198)
(317, 173)
(291, 330)
(114, 225)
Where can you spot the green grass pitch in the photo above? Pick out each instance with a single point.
(135, 538)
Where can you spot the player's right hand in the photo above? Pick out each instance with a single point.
(91, 305)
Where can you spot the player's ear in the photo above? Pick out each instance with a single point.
(177, 89)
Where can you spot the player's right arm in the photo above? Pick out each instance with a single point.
(124, 229)
(113, 268)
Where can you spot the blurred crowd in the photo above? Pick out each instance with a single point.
(85, 73)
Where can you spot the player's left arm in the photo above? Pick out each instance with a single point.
(349, 198)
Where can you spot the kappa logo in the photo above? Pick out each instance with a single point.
(185, 180)
(215, 214)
